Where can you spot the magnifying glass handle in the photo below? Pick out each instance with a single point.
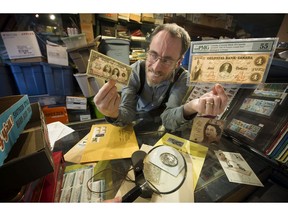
(133, 194)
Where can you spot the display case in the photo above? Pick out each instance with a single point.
(257, 117)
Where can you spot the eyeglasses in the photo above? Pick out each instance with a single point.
(152, 57)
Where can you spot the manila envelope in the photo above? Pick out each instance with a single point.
(108, 142)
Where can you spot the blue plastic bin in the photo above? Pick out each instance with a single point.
(8, 85)
(59, 79)
(29, 78)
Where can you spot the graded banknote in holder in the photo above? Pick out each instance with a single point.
(231, 61)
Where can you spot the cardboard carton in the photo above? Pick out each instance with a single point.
(15, 112)
(30, 158)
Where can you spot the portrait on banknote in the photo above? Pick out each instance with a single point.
(233, 61)
(206, 130)
(102, 66)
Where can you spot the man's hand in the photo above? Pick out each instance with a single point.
(212, 103)
(107, 100)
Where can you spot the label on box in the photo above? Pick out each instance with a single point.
(13, 121)
(21, 44)
(76, 103)
(57, 55)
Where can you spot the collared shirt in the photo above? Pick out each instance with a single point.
(151, 98)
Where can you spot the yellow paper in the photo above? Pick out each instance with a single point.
(198, 152)
(108, 142)
(74, 155)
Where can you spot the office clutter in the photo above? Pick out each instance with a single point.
(47, 70)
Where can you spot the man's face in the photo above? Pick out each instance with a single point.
(166, 47)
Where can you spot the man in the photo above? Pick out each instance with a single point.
(168, 45)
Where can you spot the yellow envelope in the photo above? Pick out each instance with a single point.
(108, 142)
(74, 155)
(198, 152)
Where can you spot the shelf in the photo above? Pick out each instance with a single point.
(196, 30)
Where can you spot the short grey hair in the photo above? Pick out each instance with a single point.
(176, 31)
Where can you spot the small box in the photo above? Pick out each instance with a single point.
(59, 79)
(107, 30)
(76, 103)
(29, 78)
(79, 115)
(21, 44)
(57, 55)
(81, 55)
(15, 112)
(53, 114)
(30, 158)
(75, 41)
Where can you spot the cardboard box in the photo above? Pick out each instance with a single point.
(123, 16)
(76, 103)
(283, 30)
(57, 54)
(147, 17)
(53, 114)
(30, 158)
(135, 17)
(88, 30)
(21, 44)
(212, 20)
(15, 112)
(109, 16)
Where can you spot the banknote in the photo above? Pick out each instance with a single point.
(229, 68)
(102, 66)
(206, 130)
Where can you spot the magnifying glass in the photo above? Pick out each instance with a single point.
(164, 172)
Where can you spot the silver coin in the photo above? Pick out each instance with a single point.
(169, 159)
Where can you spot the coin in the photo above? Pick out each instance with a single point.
(169, 159)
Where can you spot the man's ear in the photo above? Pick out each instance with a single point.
(179, 61)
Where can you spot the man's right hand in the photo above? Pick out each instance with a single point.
(107, 100)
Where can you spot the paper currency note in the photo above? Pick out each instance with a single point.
(229, 68)
(102, 66)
